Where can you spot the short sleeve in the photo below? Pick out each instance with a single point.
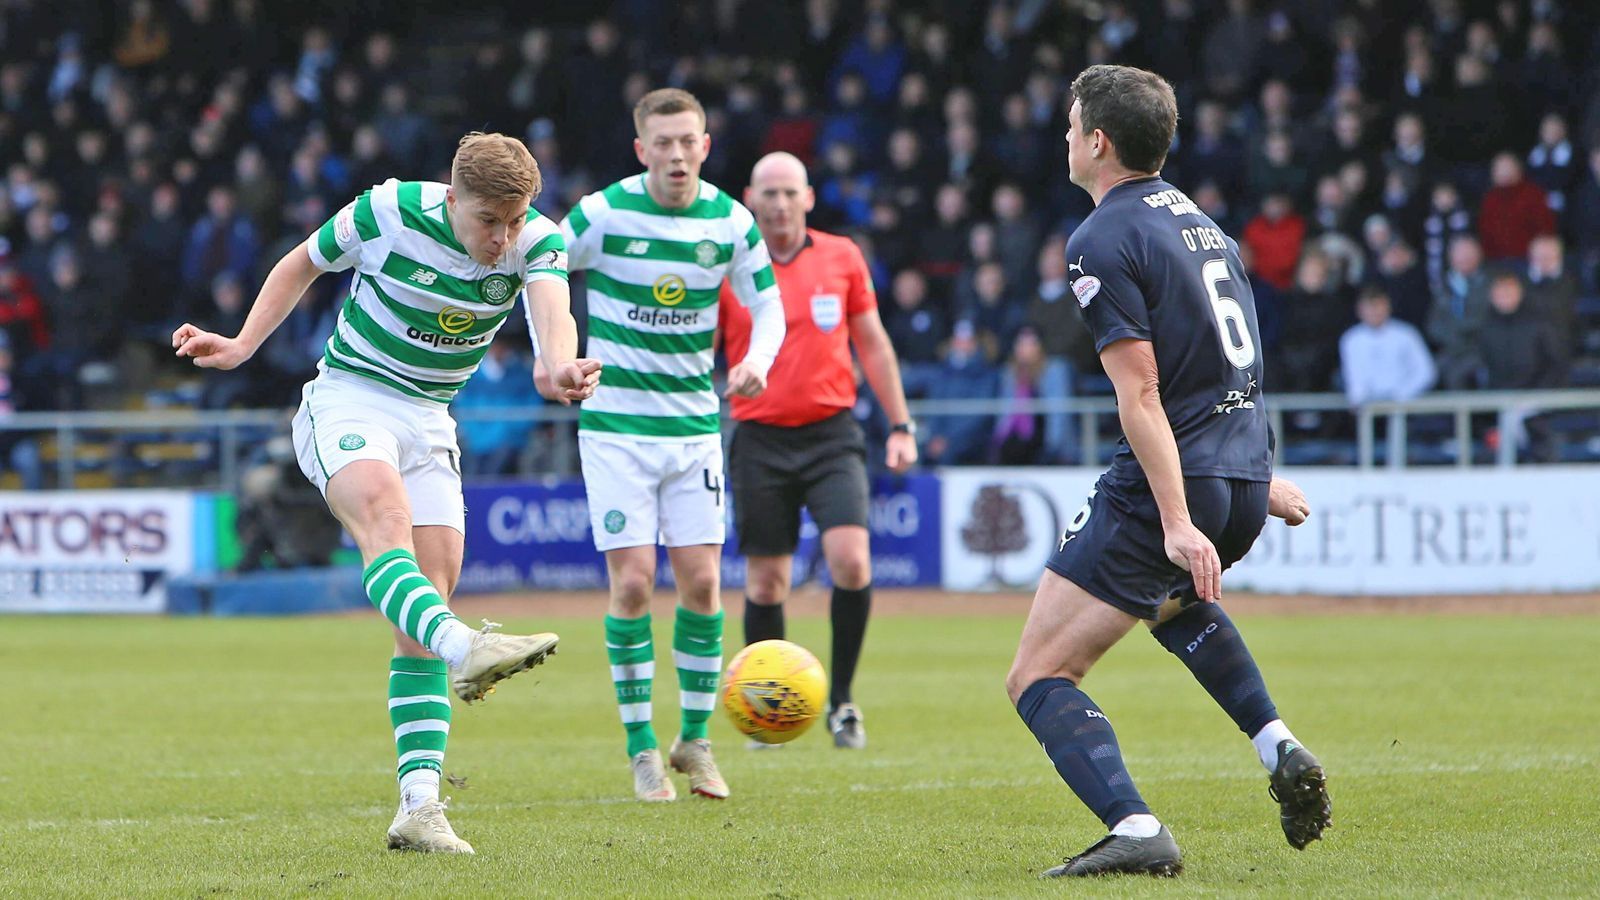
(1109, 297)
(546, 260)
(862, 297)
(339, 243)
(581, 238)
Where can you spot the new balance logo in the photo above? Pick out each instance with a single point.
(424, 277)
(637, 248)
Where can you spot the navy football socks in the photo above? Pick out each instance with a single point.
(1207, 641)
(1078, 738)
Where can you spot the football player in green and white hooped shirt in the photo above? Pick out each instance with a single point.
(657, 247)
(438, 268)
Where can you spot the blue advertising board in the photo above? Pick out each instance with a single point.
(535, 536)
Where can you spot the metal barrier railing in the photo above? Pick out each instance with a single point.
(233, 432)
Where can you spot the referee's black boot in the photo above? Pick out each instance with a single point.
(1301, 789)
(1117, 854)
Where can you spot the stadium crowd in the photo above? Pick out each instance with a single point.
(1416, 185)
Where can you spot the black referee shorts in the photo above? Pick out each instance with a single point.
(775, 470)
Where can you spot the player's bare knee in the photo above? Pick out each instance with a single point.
(851, 571)
(766, 585)
(383, 526)
(698, 590)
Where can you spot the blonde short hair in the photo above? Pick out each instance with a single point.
(665, 102)
(495, 167)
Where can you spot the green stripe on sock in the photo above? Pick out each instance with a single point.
(395, 576)
(698, 636)
(411, 679)
(629, 643)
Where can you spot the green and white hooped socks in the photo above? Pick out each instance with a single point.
(396, 586)
(631, 652)
(419, 709)
(697, 654)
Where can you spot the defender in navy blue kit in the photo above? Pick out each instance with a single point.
(1166, 298)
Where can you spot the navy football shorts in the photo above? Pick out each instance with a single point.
(1113, 547)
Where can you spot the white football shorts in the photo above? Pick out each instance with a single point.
(344, 418)
(641, 493)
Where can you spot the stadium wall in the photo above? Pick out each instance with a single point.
(1382, 532)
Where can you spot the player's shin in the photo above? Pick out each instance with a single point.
(631, 651)
(697, 654)
(1078, 738)
(419, 709)
(395, 584)
(1209, 644)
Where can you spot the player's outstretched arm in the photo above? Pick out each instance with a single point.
(567, 378)
(882, 368)
(284, 286)
(1286, 501)
(1131, 365)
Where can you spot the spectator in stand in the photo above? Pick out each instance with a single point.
(85, 328)
(1521, 352)
(1066, 343)
(1514, 212)
(997, 310)
(965, 374)
(19, 450)
(1016, 234)
(1409, 154)
(221, 242)
(1276, 171)
(1583, 223)
(22, 317)
(1315, 308)
(1022, 149)
(1382, 359)
(1213, 153)
(1447, 219)
(944, 246)
(1400, 274)
(1553, 162)
(492, 448)
(1019, 434)
(916, 330)
(878, 57)
(1275, 238)
(1460, 307)
(1552, 291)
(794, 130)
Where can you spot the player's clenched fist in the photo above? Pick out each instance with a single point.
(208, 349)
(575, 381)
(745, 381)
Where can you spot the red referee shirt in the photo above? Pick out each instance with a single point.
(823, 287)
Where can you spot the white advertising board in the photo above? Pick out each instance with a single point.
(93, 551)
(1374, 532)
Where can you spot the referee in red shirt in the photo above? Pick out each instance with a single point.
(797, 444)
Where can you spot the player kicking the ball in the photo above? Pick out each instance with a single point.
(1170, 308)
(438, 269)
(657, 246)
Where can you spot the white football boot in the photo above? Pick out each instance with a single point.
(849, 727)
(693, 758)
(425, 829)
(494, 657)
(650, 781)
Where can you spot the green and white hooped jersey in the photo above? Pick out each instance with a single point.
(653, 279)
(421, 312)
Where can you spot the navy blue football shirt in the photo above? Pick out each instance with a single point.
(1148, 264)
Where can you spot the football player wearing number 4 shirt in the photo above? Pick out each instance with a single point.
(1166, 298)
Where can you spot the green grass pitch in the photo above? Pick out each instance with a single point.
(199, 758)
